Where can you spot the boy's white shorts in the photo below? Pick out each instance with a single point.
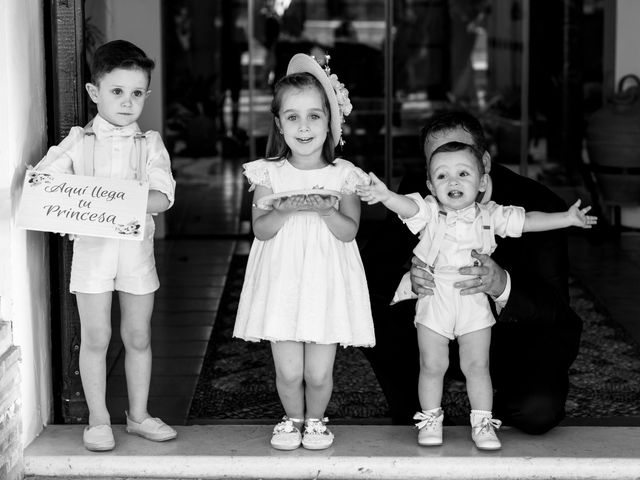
(104, 264)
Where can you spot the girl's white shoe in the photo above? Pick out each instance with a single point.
(286, 436)
(483, 430)
(429, 427)
(316, 434)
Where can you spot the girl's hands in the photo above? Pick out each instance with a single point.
(578, 216)
(375, 192)
(323, 204)
(317, 203)
(290, 204)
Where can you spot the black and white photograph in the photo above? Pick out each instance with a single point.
(320, 239)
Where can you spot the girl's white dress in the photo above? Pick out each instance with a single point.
(304, 284)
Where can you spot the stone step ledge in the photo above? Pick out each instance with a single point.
(359, 452)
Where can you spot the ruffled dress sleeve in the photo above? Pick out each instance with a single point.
(354, 178)
(257, 173)
(508, 221)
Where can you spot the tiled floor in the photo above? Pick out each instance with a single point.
(205, 229)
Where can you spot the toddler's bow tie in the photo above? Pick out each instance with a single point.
(465, 215)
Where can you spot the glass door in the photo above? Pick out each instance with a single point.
(443, 54)
(352, 34)
(459, 54)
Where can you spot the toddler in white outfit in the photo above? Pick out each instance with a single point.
(452, 225)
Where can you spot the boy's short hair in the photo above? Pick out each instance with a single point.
(458, 147)
(119, 54)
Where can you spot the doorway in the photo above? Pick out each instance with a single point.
(221, 60)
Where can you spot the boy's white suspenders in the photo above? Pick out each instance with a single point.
(441, 228)
(88, 144)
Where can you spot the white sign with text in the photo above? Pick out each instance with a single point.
(94, 206)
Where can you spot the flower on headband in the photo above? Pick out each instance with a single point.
(342, 95)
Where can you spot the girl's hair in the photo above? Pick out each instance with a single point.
(277, 148)
(119, 54)
(458, 147)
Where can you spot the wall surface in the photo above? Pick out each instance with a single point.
(627, 60)
(24, 262)
(627, 38)
(11, 460)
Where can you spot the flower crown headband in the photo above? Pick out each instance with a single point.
(342, 94)
(336, 92)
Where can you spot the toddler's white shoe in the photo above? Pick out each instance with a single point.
(286, 436)
(316, 434)
(429, 427)
(483, 430)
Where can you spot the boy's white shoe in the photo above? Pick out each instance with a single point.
(429, 427)
(151, 428)
(483, 430)
(316, 434)
(98, 438)
(286, 436)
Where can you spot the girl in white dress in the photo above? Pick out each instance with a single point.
(305, 289)
(452, 225)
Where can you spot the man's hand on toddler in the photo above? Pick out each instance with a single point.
(487, 277)
(373, 193)
(422, 282)
(578, 216)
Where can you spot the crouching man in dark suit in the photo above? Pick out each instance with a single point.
(536, 337)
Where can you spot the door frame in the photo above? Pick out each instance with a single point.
(65, 69)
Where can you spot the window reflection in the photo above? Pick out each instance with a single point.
(443, 54)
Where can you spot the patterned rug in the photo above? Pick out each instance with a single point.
(237, 378)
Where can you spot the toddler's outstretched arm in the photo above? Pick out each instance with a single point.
(377, 191)
(574, 217)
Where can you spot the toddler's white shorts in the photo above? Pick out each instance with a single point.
(450, 314)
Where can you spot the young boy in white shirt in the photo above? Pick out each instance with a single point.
(121, 74)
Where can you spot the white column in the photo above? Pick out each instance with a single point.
(24, 257)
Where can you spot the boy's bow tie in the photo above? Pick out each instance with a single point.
(111, 131)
